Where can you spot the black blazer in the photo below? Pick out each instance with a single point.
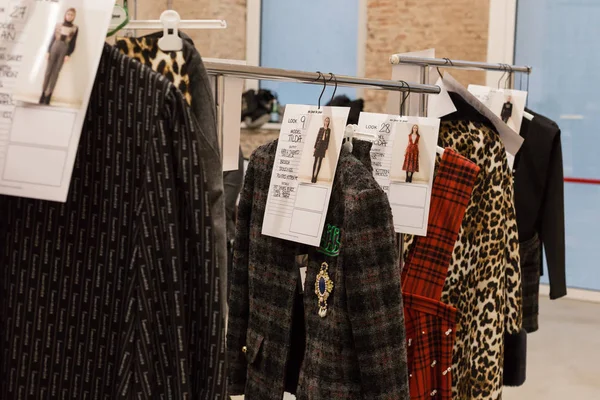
(539, 195)
(507, 109)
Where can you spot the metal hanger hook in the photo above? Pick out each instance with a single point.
(336, 85)
(509, 77)
(447, 62)
(324, 87)
(503, 66)
(405, 97)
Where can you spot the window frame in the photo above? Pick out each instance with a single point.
(253, 39)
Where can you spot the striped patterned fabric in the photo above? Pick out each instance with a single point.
(114, 294)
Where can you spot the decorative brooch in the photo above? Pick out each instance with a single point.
(323, 288)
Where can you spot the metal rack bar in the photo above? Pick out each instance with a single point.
(183, 24)
(275, 74)
(442, 62)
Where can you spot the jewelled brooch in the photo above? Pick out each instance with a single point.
(323, 288)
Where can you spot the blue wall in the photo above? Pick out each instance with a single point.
(560, 40)
(309, 35)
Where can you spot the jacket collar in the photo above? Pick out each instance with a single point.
(361, 149)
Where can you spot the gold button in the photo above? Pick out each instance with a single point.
(244, 349)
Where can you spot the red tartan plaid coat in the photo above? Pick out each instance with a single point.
(430, 324)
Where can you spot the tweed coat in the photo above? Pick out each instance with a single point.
(358, 350)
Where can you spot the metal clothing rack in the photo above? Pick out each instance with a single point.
(183, 24)
(275, 74)
(460, 64)
(425, 63)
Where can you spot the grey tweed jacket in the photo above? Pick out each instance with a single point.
(358, 350)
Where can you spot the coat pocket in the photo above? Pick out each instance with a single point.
(253, 344)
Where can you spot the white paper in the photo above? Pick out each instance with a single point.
(38, 143)
(384, 127)
(303, 278)
(512, 141)
(410, 201)
(441, 104)
(232, 110)
(410, 74)
(299, 196)
(496, 100)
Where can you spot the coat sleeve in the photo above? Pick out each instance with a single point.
(174, 254)
(73, 43)
(239, 295)
(552, 230)
(374, 295)
(197, 245)
(318, 138)
(514, 297)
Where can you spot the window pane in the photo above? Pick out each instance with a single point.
(559, 38)
(309, 35)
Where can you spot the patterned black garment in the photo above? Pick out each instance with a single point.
(355, 346)
(107, 295)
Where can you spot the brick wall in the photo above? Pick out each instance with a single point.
(223, 43)
(456, 29)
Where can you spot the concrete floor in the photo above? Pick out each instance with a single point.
(563, 356)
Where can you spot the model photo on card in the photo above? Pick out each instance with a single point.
(507, 109)
(508, 104)
(413, 153)
(57, 69)
(62, 45)
(320, 148)
(411, 173)
(320, 154)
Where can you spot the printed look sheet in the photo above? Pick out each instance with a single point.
(508, 104)
(49, 55)
(409, 162)
(303, 172)
(384, 127)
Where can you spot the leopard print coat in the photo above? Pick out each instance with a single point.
(171, 64)
(484, 281)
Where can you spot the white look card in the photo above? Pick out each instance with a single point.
(384, 126)
(411, 173)
(51, 52)
(508, 104)
(511, 140)
(232, 109)
(303, 172)
(440, 105)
